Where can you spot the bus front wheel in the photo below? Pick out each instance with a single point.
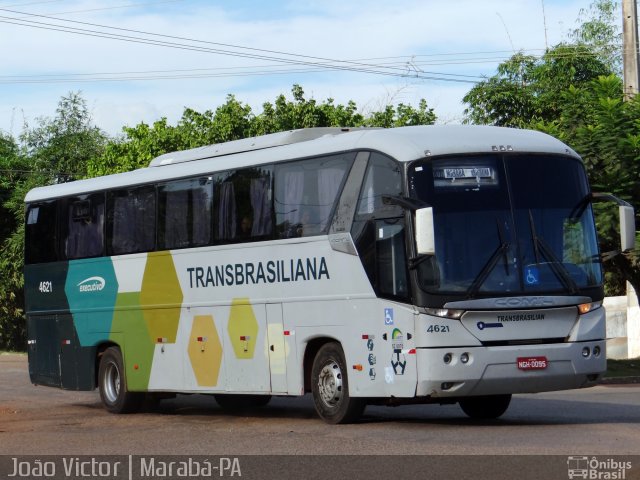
(330, 386)
(485, 407)
(113, 385)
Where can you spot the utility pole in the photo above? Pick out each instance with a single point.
(630, 47)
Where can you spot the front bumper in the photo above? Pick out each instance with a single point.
(494, 370)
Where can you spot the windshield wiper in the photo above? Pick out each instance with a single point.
(580, 207)
(501, 251)
(558, 268)
(411, 204)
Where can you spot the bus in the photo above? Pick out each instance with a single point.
(427, 264)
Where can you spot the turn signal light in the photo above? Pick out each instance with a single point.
(588, 307)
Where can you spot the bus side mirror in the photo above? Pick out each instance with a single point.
(425, 234)
(627, 228)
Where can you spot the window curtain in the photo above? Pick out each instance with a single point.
(260, 205)
(329, 181)
(201, 215)
(176, 234)
(226, 212)
(290, 208)
(123, 225)
(367, 199)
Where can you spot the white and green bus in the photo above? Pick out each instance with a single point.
(433, 264)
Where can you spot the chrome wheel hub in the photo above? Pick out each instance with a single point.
(330, 384)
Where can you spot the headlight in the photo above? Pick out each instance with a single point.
(445, 313)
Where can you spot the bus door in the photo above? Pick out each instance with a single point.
(44, 350)
(277, 348)
(55, 355)
(245, 347)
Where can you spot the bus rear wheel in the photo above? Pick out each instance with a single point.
(112, 384)
(485, 407)
(330, 387)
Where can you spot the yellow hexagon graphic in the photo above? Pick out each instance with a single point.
(205, 351)
(161, 297)
(242, 328)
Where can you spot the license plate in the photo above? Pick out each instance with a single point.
(532, 363)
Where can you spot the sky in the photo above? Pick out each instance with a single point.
(140, 60)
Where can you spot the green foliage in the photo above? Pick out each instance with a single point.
(234, 120)
(598, 28)
(605, 130)
(138, 147)
(69, 146)
(506, 99)
(526, 90)
(60, 147)
(12, 168)
(56, 149)
(12, 321)
(572, 93)
(402, 116)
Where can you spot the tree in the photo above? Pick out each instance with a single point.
(526, 89)
(597, 122)
(13, 170)
(55, 150)
(69, 146)
(573, 93)
(60, 147)
(599, 29)
(234, 120)
(138, 146)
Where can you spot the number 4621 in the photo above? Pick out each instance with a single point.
(46, 287)
(438, 329)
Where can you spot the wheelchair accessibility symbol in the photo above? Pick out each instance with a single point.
(531, 275)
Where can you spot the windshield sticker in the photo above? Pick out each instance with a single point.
(531, 275)
(398, 360)
(388, 316)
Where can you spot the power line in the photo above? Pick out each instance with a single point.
(257, 70)
(87, 10)
(285, 57)
(404, 68)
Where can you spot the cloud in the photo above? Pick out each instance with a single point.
(437, 36)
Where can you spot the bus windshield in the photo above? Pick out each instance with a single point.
(507, 225)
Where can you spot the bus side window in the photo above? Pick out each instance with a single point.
(306, 193)
(84, 223)
(40, 233)
(378, 229)
(131, 220)
(243, 208)
(184, 213)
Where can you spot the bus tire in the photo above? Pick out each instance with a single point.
(232, 401)
(485, 407)
(330, 387)
(112, 384)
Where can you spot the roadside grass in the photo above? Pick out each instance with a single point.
(623, 368)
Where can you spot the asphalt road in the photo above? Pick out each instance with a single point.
(603, 420)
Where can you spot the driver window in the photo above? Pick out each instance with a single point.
(379, 229)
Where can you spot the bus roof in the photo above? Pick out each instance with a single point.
(403, 144)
